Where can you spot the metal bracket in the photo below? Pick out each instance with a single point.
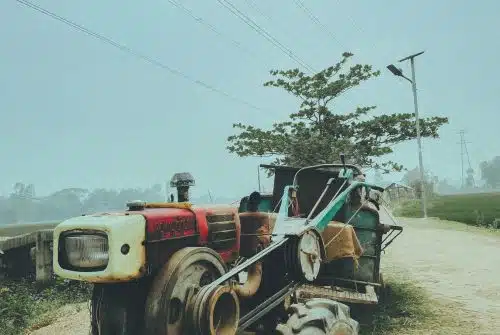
(399, 230)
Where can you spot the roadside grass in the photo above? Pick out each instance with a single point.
(23, 306)
(404, 306)
(408, 309)
(405, 309)
(480, 209)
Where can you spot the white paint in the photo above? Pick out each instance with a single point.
(310, 255)
(121, 229)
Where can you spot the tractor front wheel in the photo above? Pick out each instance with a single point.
(319, 317)
(117, 309)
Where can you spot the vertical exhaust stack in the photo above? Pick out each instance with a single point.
(182, 181)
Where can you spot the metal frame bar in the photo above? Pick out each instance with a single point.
(265, 306)
(392, 239)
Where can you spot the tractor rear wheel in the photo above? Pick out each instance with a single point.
(186, 272)
(319, 317)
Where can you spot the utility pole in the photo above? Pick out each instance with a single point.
(258, 177)
(399, 72)
(462, 132)
(166, 191)
(464, 152)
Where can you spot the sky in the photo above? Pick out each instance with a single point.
(77, 112)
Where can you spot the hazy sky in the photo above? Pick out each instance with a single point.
(78, 112)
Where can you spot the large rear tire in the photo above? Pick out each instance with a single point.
(319, 317)
(186, 272)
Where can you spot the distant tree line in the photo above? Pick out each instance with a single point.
(490, 173)
(489, 177)
(23, 205)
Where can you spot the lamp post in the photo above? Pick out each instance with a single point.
(399, 73)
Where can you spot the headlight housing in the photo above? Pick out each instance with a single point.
(84, 250)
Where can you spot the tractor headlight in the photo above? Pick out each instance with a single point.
(85, 251)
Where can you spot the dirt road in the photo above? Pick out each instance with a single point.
(455, 263)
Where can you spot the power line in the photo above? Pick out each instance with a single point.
(141, 56)
(252, 5)
(261, 31)
(323, 26)
(313, 17)
(200, 20)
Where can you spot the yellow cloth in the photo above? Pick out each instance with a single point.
(345, 243)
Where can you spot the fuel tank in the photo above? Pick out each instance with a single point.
(171, 226)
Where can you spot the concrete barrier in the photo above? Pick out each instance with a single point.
(16, 258)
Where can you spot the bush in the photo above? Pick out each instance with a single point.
(21, 303)
(480, 209)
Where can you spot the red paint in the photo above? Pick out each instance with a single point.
(167, 223)
(228, 255)
(201, 218)
(161, 223)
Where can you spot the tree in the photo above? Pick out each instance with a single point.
(444, 187)
(469, 181)
(412, 179)
(63, 203)
(317, 132)
(490, 173)
(23, 206)
(23, 191)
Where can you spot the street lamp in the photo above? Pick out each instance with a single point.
(399, 73)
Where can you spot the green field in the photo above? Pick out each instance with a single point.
(480, 209)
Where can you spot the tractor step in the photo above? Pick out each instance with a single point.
(306, 292)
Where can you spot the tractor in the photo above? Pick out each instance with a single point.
(175, 268)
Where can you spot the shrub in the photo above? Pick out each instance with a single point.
(21, 302)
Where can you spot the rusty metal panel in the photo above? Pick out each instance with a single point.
(307, 292)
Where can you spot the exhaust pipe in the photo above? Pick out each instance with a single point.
(255, 235)
(183, 194)
(182, 181)
(254, 277)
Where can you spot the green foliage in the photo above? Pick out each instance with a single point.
(479, 209)
(21, 303)
(317, 133)
(412, 178)
(490, 173)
